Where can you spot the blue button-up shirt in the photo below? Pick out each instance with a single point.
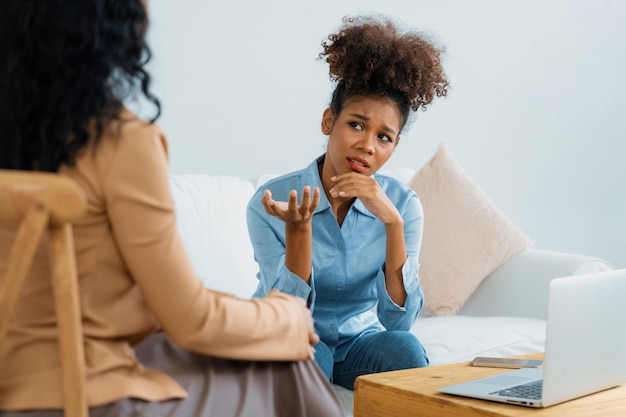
(348, 278)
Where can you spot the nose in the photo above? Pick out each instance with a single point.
(366, 144)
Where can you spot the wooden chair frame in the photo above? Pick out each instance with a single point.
(40, 202)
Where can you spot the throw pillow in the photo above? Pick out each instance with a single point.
(466, 237)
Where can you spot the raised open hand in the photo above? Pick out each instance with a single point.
(289, 211)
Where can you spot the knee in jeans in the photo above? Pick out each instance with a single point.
(410, 352)
(324, 359)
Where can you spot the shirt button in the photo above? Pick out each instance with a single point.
(340, 245)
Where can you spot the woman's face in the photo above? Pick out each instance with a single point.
(362, 137)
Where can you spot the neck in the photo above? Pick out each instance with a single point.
(339, 205)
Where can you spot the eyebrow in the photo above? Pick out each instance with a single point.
(367, 119)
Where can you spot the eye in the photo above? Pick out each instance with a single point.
(385, 138)
(356, 125)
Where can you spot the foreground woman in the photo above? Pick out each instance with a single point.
(156, 342)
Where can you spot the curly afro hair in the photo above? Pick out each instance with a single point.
(370, 56)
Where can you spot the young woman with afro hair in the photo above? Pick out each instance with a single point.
(350, 247)
(156, 342)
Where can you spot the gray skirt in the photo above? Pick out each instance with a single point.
(222, 388)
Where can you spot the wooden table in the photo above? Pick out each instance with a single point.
(413, 393)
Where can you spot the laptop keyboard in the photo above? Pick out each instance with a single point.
(531, 391)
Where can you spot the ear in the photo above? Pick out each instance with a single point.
(397, 142)
(328, 119)
(146, 6)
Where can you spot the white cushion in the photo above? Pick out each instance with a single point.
(211, 218)
(450, 339)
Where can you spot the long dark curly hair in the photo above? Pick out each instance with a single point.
(371, 56)
(66, 68)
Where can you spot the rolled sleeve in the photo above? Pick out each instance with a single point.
(390, 314)
(290, 283)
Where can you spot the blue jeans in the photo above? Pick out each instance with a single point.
(373, 352)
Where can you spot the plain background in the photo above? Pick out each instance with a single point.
(536, 111)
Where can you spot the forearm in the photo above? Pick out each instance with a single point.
(396, 256)
(207, 321)
(298, 250)
(276, 332)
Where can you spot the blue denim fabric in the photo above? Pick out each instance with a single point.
(372, 353)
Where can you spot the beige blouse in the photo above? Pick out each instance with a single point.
(135, 279)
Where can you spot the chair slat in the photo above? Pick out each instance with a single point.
(68, 317)
(38, 201)
(20, 258)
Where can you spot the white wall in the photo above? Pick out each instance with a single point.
(535, 114)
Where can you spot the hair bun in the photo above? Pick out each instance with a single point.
(371, 55)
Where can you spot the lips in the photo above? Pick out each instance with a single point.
(358, 165)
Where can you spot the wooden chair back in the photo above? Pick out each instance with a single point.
(40, 202)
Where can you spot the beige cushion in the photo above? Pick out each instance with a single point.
(466, 236)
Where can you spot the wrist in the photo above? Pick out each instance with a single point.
(298, 228)
(395, 222)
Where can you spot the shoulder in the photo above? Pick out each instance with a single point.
(394, 187)
(403, 197)
(129, 138)
(282, 181)
(134, 132)
(281, 185)
(130, 147)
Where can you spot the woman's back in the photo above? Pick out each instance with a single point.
(115, 315)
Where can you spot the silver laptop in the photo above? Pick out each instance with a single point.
(585, 346)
